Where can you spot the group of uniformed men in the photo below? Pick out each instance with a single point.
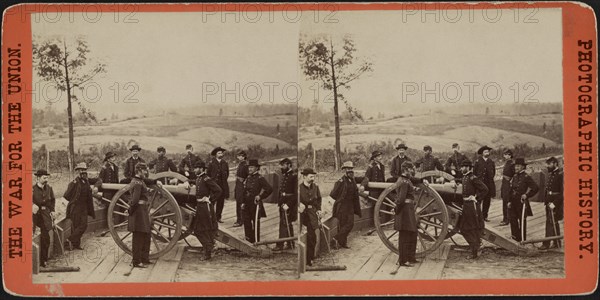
(211, 187)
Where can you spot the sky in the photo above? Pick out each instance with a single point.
(172, 60)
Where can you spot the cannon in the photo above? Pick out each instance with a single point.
(171, 210)
(438, 209)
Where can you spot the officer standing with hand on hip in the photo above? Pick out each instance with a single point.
(43, 209)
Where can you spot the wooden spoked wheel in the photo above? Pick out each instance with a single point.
(165, 220)
(431, 215)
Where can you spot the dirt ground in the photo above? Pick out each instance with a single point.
(229, 264)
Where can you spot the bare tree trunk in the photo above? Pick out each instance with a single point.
(69, 110)
(335, 112)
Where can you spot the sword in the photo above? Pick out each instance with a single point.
(523, 221)
(256, 222)
(287, 226)
(554, 225)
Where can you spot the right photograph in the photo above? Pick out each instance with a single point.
(430, 145)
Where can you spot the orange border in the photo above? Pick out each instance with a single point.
(581, 272)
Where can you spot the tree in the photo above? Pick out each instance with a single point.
(330, 61)
(66, 65)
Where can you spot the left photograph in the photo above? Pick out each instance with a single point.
(164, 149)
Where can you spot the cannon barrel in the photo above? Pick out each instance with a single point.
(173, 189)
(440, 188)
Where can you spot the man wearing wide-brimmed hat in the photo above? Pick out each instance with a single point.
(287, 202)
(471, 221)
(186, 166)
(508, 171)
(240, 176)
(375, 173)
(81, 205)
(256, 189)
(218, 170)
(522, 187)
(310, 211)
(346, 205)
(428, 162)
(397, 161)
(129, 170)
(109, 173)
(485, 169)
(553, 201)
(43, 211)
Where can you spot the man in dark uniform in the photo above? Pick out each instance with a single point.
(405, 220)
(186, 166)
(287, 202)
(522, 187)
(205, 221)
(139, 219)
(81, 205)
(454, 162)
(162, 163)
(310, 211)
(131, 162)
(471, 220)
(375, 173)
(554, 202)
(256, 188)
(218, 170)
(508, 171)
(485, 169)
(429, 162)
(395, 167)
(346, 205)
(43, 208)
(240, 176)
(109, 173)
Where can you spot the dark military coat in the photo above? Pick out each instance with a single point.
(187, 164)
(241, 174)
(508, 171)
(219, 172)
(471, 217)
(79, 195)
(375, 173)
(405, 218)
(428, 163)
(554, 191)
(289, 186)
(455, 159)
(205, 219)
(256, 185)
(520, 184)
(130, 163)
(486, 170)
(345, 194)
(109, 173)
(44, 199)
(162, 164)
(310, 196)
(395, 166)
(139, 218)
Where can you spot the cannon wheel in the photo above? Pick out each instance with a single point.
(439, 176)
(431, 214)
(185, 230)
(165, 221)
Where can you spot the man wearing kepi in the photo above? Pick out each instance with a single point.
(218, 170)
(553, 202)
(429, 162)
(346, 205)
(43, 210)
(240, 176)
(454, 162)
(375, 173)
(186, 166)
(485, 169)
(256, 189)
(131, 162)
(287, 202)
(397, 161)
(310, 211)
(109, 173)
(139, 219)
(471, 220)
(405, 220)
(205, 224)
(162, 163)
(81, 205)
(522, 187)
(508, 171)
